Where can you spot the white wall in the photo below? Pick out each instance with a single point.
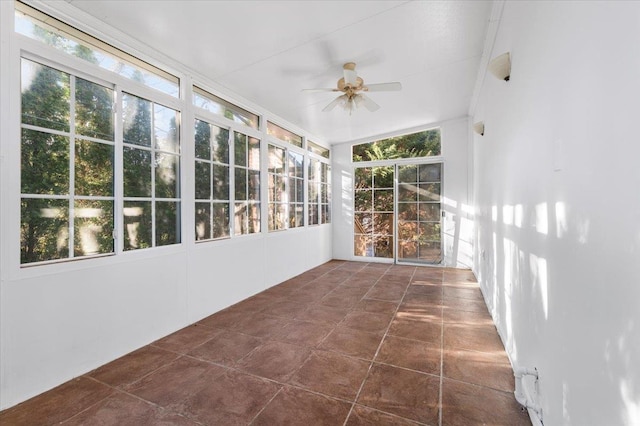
(458, 223)
(556, 186)
(61, 320)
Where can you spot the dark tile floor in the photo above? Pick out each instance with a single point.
(345, 343)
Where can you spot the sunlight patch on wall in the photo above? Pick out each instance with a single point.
(541, 219)
(494, 213)
(538, 267)
(517, 216)
(631, 403)
(561, 219)
(507, 214)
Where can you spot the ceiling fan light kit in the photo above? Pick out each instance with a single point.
(351, 85)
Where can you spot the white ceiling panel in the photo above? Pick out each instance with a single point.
(268, 51)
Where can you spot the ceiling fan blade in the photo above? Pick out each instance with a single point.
(383, 87)
(368, 103)
(320, 90)
(350, 75)
(334, 103)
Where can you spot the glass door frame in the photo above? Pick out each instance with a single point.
(395, 163)
(417, 163)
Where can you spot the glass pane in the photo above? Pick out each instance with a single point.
(167, 223)
(283, 134)
(44, 230)
(429, 231)
(220, 220)
(408, 174)
(313, 214)
(203, 180)
(137, 225)
(407, 230)
(317, 149)
(203, 140)
(407, 211)
(430, 172)
(137, 120)
(220, 144)
(94, 110)
(362, 201)
(429, 211)
(326, 213)
(430, 252)
(363, 178)
(383, 200)
(253, 213)
(241, 183)
(407, 192)
(408, 249)
(313, 170)
(278, 217)
(421, 144)
(254, 185)
(45, 163)
(241, 219)
(165, 122)
(383, 246)
(254, 153)
(240, 154)
(383, 223)
(93, 227)
(299, 191)
(221, 182)
(429, 192)
(219, 106)
(167, 182)
(94, 168)
(291, 193)
(295, 164)
(299, 215)
(137, 172)
(203, 221)
(383, 177)
(276, 160)
(313, 192)
(363, 245)
(324, 193)
(45, 96)
(363, 223)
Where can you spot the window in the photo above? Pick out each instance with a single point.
(219, 106)
(286, 190)
(283, 134)
(421, 144)
(319, 176)
(151, 186)
(247, 184)
(67, 158)
(211, 181)
(317, 149)
(36, 25)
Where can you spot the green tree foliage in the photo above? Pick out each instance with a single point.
(421, 144)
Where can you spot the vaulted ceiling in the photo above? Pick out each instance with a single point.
(268, 51)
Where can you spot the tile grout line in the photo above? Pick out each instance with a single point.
(384, 336)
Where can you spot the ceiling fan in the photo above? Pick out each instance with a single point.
(352, 87)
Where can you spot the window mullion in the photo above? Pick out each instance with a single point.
(72, 161)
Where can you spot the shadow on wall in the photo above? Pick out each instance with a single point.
(570, 319)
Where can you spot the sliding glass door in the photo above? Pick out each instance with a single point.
(397, 212)
(419, 216)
